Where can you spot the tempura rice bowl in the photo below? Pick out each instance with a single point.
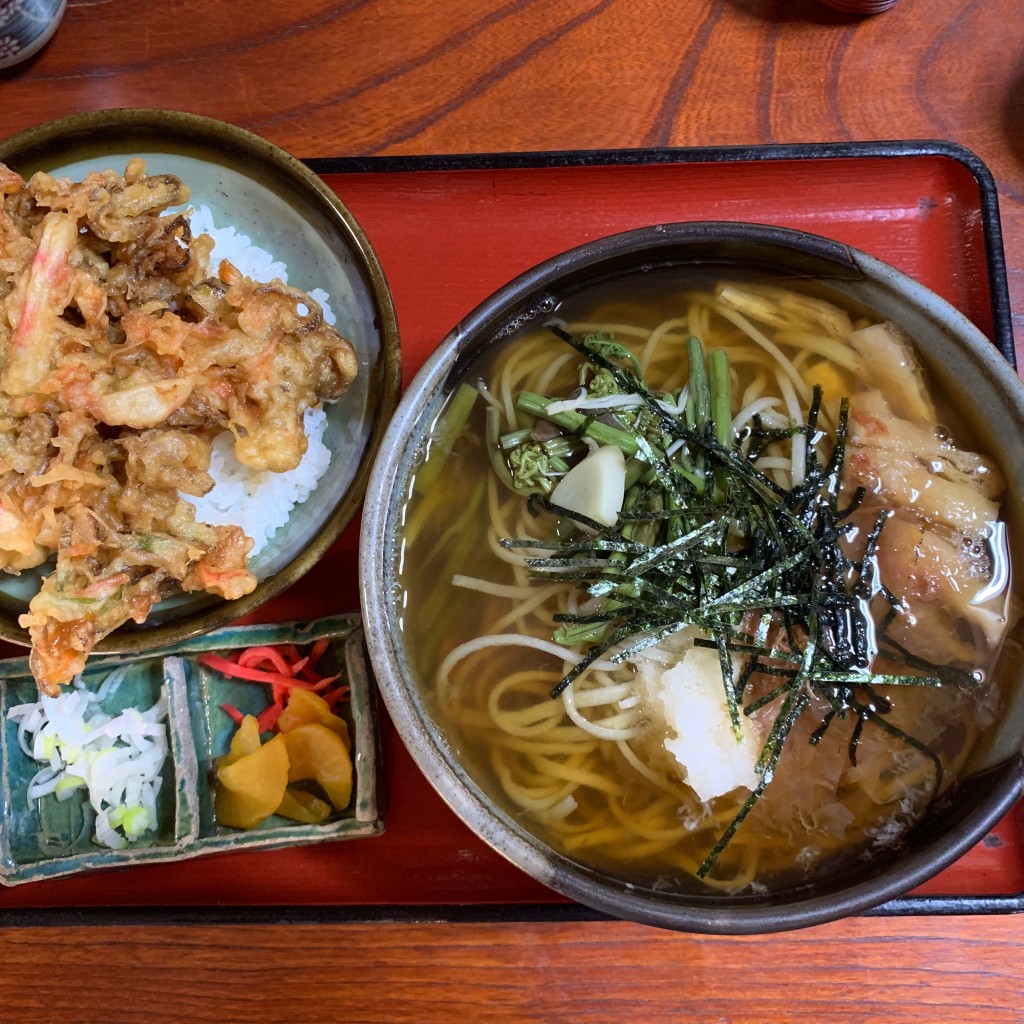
(273, 202)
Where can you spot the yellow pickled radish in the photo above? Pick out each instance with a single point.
(305, 707)
(245, 741)
(305, 807)
(251, 789)
(316, 752)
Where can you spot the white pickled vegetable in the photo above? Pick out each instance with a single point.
(595, 487)
(117, 759)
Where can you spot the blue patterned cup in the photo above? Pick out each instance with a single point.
(26, 27)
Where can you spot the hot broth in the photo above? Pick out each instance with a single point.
(644, 765)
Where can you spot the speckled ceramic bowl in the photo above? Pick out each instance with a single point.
(283, 207)
(958, 355)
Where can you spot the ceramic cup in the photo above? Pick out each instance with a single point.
(26, 26)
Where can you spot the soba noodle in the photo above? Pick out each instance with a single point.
(596, 771)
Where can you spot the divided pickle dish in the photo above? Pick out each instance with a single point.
(48, 838)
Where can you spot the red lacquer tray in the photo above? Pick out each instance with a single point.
(449, 231)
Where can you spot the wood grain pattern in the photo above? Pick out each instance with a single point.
(403, 76)
(370, 77)
(406, 76)
(857, 972)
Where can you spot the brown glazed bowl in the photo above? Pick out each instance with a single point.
(283, 207)
(956, 353)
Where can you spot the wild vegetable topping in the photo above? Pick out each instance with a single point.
(774, 576)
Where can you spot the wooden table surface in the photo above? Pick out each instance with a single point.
(364, 77)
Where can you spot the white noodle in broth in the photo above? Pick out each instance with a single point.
(596, 770)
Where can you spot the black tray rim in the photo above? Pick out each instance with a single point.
(426, 913)
(556, 912)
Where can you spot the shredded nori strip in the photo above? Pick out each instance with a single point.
(751, 545)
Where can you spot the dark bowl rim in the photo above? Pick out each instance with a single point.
(240, 146)
(425, 744)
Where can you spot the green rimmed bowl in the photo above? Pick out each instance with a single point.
(252, 185)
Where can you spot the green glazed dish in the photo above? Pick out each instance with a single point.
(47, 838)
(283, 207)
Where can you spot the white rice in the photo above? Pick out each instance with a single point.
(250, 259)
(258, 501)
